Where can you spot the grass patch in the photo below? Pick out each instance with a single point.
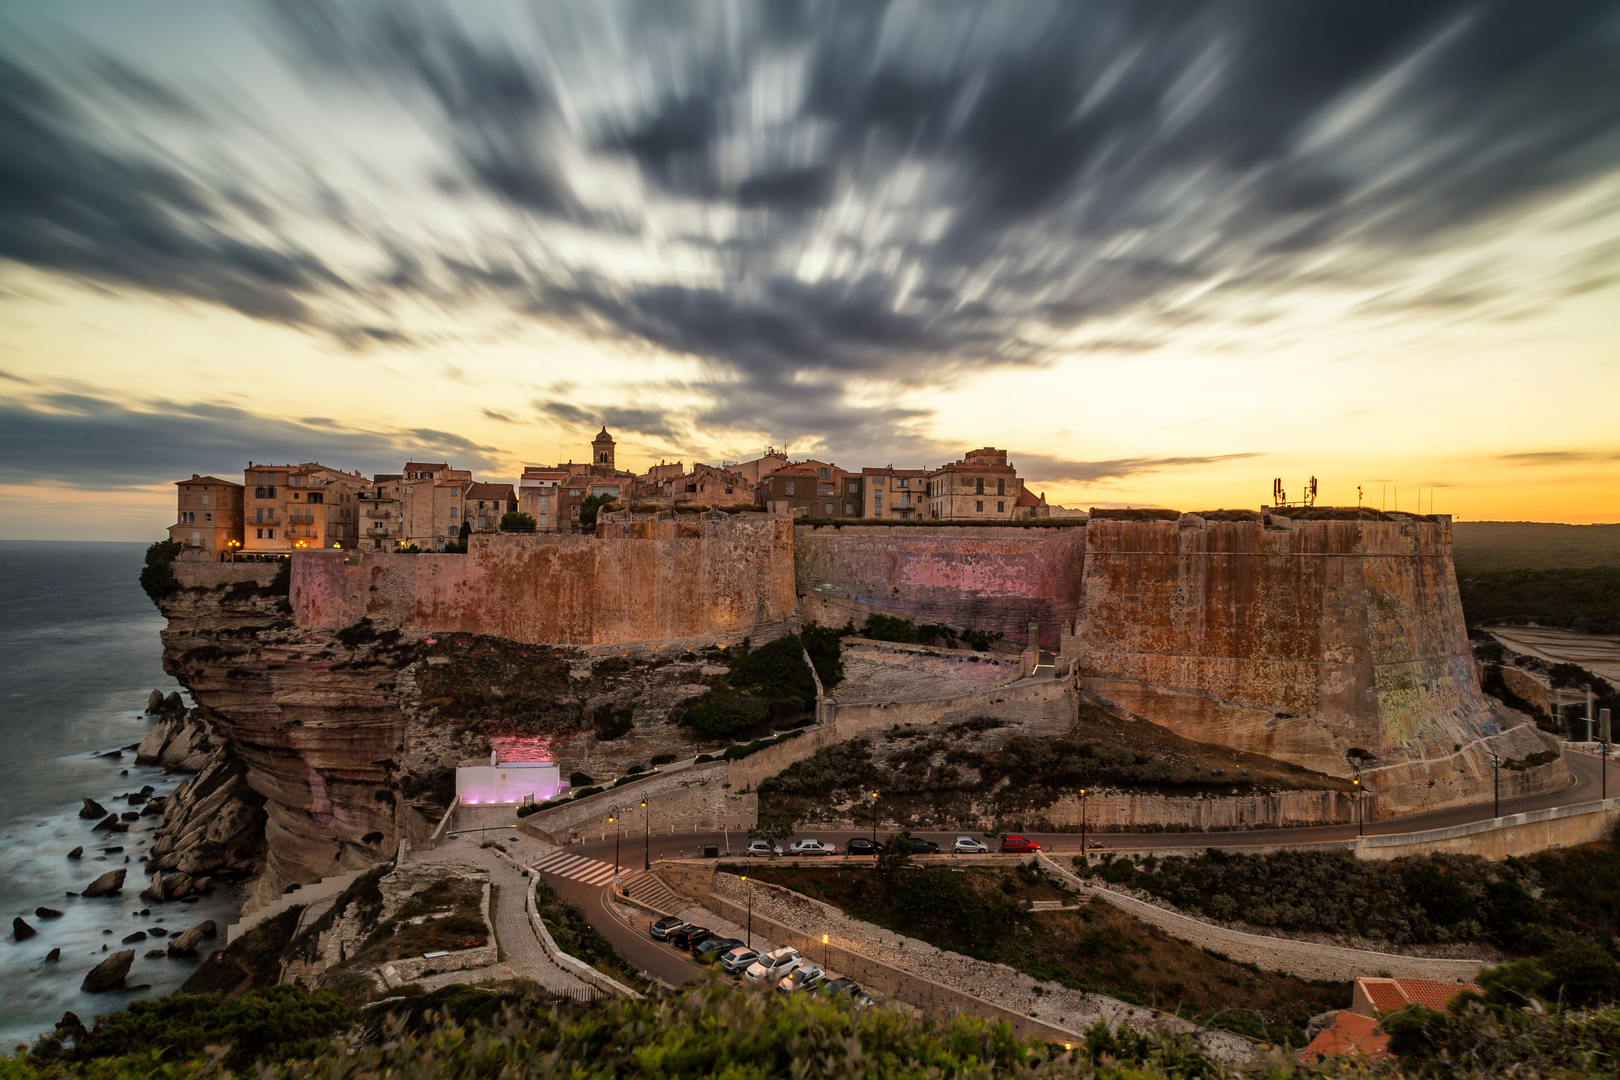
(980, 913)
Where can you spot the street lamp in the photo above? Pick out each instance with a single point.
(646, 838)
(1083, 852)
(750, 888)
(613, 819)
(1496, 786)
(1361, 811)
(874, 820)
(824, 952)
(1603, 766)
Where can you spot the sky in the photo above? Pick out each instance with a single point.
(1162, 253)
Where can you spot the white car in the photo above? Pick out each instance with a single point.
(966, 845)
(803, 977)
(811, 847)
(773, 965)
(735, 961)
(762, 848)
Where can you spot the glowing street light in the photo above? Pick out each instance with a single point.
(750, 888)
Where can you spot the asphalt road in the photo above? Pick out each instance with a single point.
(674, 965)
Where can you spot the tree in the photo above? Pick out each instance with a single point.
(157, 576)
(516, 521)
(593, 503)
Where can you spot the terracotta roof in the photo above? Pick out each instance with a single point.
(490, 491)
(1350, 1035)
(1390, 995)
(421, 466)
(1026, 497)
(383, 478)
(195, 479)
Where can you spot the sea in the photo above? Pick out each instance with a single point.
(79, 653)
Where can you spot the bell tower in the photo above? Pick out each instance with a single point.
(602, 452)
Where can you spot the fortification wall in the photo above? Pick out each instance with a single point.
(994, 578)
(1297, 639)
(651, 580)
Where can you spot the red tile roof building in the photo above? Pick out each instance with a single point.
(1376, 996)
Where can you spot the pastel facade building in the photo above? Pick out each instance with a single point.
(537, 495)
(894, 493)
(981, 485)
(817, 489)
(432, 503)
(486, 504)
(289, 508)
(381, 520)
(208, 518)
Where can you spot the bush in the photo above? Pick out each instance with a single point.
(584, 791)
(726, 711)
(610, 723)
(662, 759)
(579, 779)
(516, 521)
(591, 505)
(157, 576)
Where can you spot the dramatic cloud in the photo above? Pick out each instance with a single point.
(1042, 469)
(1562, 457)
(94, 444)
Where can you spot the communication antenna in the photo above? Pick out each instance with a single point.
(1358, 496)
(1279, 497)
(1310, 500)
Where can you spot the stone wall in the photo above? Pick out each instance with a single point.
(701, 796)
(1296, 639)
(400, 972)
(211, 575)
(660, 580)
(990, 578)
(1048, 707)
(1515, 835)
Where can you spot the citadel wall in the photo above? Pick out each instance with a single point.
(986, 578)
(1297, 639)
(650, 580)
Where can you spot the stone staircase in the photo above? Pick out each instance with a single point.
(645, 887)
(326, 889)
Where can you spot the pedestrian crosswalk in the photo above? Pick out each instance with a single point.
(576, 868)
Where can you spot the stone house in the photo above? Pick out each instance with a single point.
(208, 521)
(381, 519)
(812, 488)
(981, 485)
(432, 504)
(486, 503)
(289, 508)
(537, 495)
(893, 493)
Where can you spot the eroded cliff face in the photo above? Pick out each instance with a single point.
(345, 742)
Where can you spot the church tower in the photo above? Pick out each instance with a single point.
(602, 453)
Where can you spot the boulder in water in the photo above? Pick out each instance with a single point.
(91, 808)
(54, 956)
(47, 913)
(21, 931)
(106, 885)
(110, 973)
(74, 854)
(131, 815)
(106, 824)
(155, 954)
(153, 893)
(154, 701)
(130, 939)
(186, 942)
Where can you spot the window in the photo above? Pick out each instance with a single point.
(877, 481)
(542, 519)
(295, 497)
(258, 515)
(979, 506)
(269, 534)
(205, 498)
(824, 474)
(258, 534)
(789, 487)
(877, 510)
(452, 511)
(208, 517)
(1001, 507)
(728, 491)
(1001, 487)
(455, 493)
(849, 509)
(979, 488)
(829, 509)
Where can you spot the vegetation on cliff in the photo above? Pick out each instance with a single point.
(1575, 599)
(904, 631)
(982, 913)
(722, 1031)
(157, 575)
(1562, 905)
(770, 684)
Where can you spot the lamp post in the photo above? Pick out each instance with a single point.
(874, 820)
(823, 952)
(646, 838)
(750, 889)
(1361, 811)
(1496, 786)
(613, 819)
(1603, 766)
(1083, 853)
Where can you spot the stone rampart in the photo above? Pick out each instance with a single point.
(660, 580)
(211, 575)
(1297, 639)
(701, 796)
(991, 578)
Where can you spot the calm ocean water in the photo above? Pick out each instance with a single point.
(79, 652)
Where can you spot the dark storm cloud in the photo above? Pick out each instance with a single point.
(657, 423)
(1043, 469)
(71, 204)
(92, 443)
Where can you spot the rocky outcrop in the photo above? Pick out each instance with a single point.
(110, 973)
(108, 884)
(182, 741)
(188, 942)
(213, 823)
(21, 931)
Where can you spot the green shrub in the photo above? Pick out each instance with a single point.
(157, 576)
(724, 712)
(582, 792)
(610, 723)
(516, 521)
(662, 759)
(579, 779)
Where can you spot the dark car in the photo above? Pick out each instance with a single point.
(666, 926)
(920, 846)
(1018, 844)
(860, 845)
(841, 986)
(713, 947)
(688, 936)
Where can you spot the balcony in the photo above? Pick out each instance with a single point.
(378, 512)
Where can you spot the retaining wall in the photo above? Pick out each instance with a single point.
(211, 575)
(1499, 838)
(400, 972)
(991, 578)
(700, 796)
(658, 580)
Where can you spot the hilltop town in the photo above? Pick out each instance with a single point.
(433, 506)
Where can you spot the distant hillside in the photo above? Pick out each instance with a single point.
(1581, 599)
(1493, 546)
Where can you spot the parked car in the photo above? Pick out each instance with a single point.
(920, 846)
(1019, 844)
(666, 926)
(713, 948)
(834, 987)
(773, 965)
(737, 960)
(811, 847)
(966, 845)
(803, 977)
(762, 848)
(860, 845)
(688, 936)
